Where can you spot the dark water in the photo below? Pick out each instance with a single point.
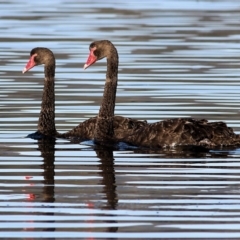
(177, 59)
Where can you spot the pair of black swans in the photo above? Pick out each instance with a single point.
(107, 129)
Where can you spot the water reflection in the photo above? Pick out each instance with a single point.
(108, 181)
(190, 152)
(47, 149)
(47, 194)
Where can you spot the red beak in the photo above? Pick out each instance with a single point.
(31, 63)
(91, 59)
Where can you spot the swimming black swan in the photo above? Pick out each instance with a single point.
(46, 121)
(86, 129)
(167, 133)
(106, 126)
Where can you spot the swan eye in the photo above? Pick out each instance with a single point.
(35, 59)
(92, 45)
(96, 53)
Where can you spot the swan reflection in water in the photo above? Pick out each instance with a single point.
(109, 199)
(107, 172)
(47, 195)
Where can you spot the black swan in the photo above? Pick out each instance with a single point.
(106, 127)
(46, 121)
(168, 133)
(86, 129)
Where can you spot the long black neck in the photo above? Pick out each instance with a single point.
(46, 122)
(104, 128)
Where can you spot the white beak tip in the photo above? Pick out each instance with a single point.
(24, 70)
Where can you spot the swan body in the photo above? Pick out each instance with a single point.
(122, 127)
(184, 132)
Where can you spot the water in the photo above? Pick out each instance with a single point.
(177, 59)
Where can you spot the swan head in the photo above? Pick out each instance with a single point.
(39, 56)
(99, 50)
